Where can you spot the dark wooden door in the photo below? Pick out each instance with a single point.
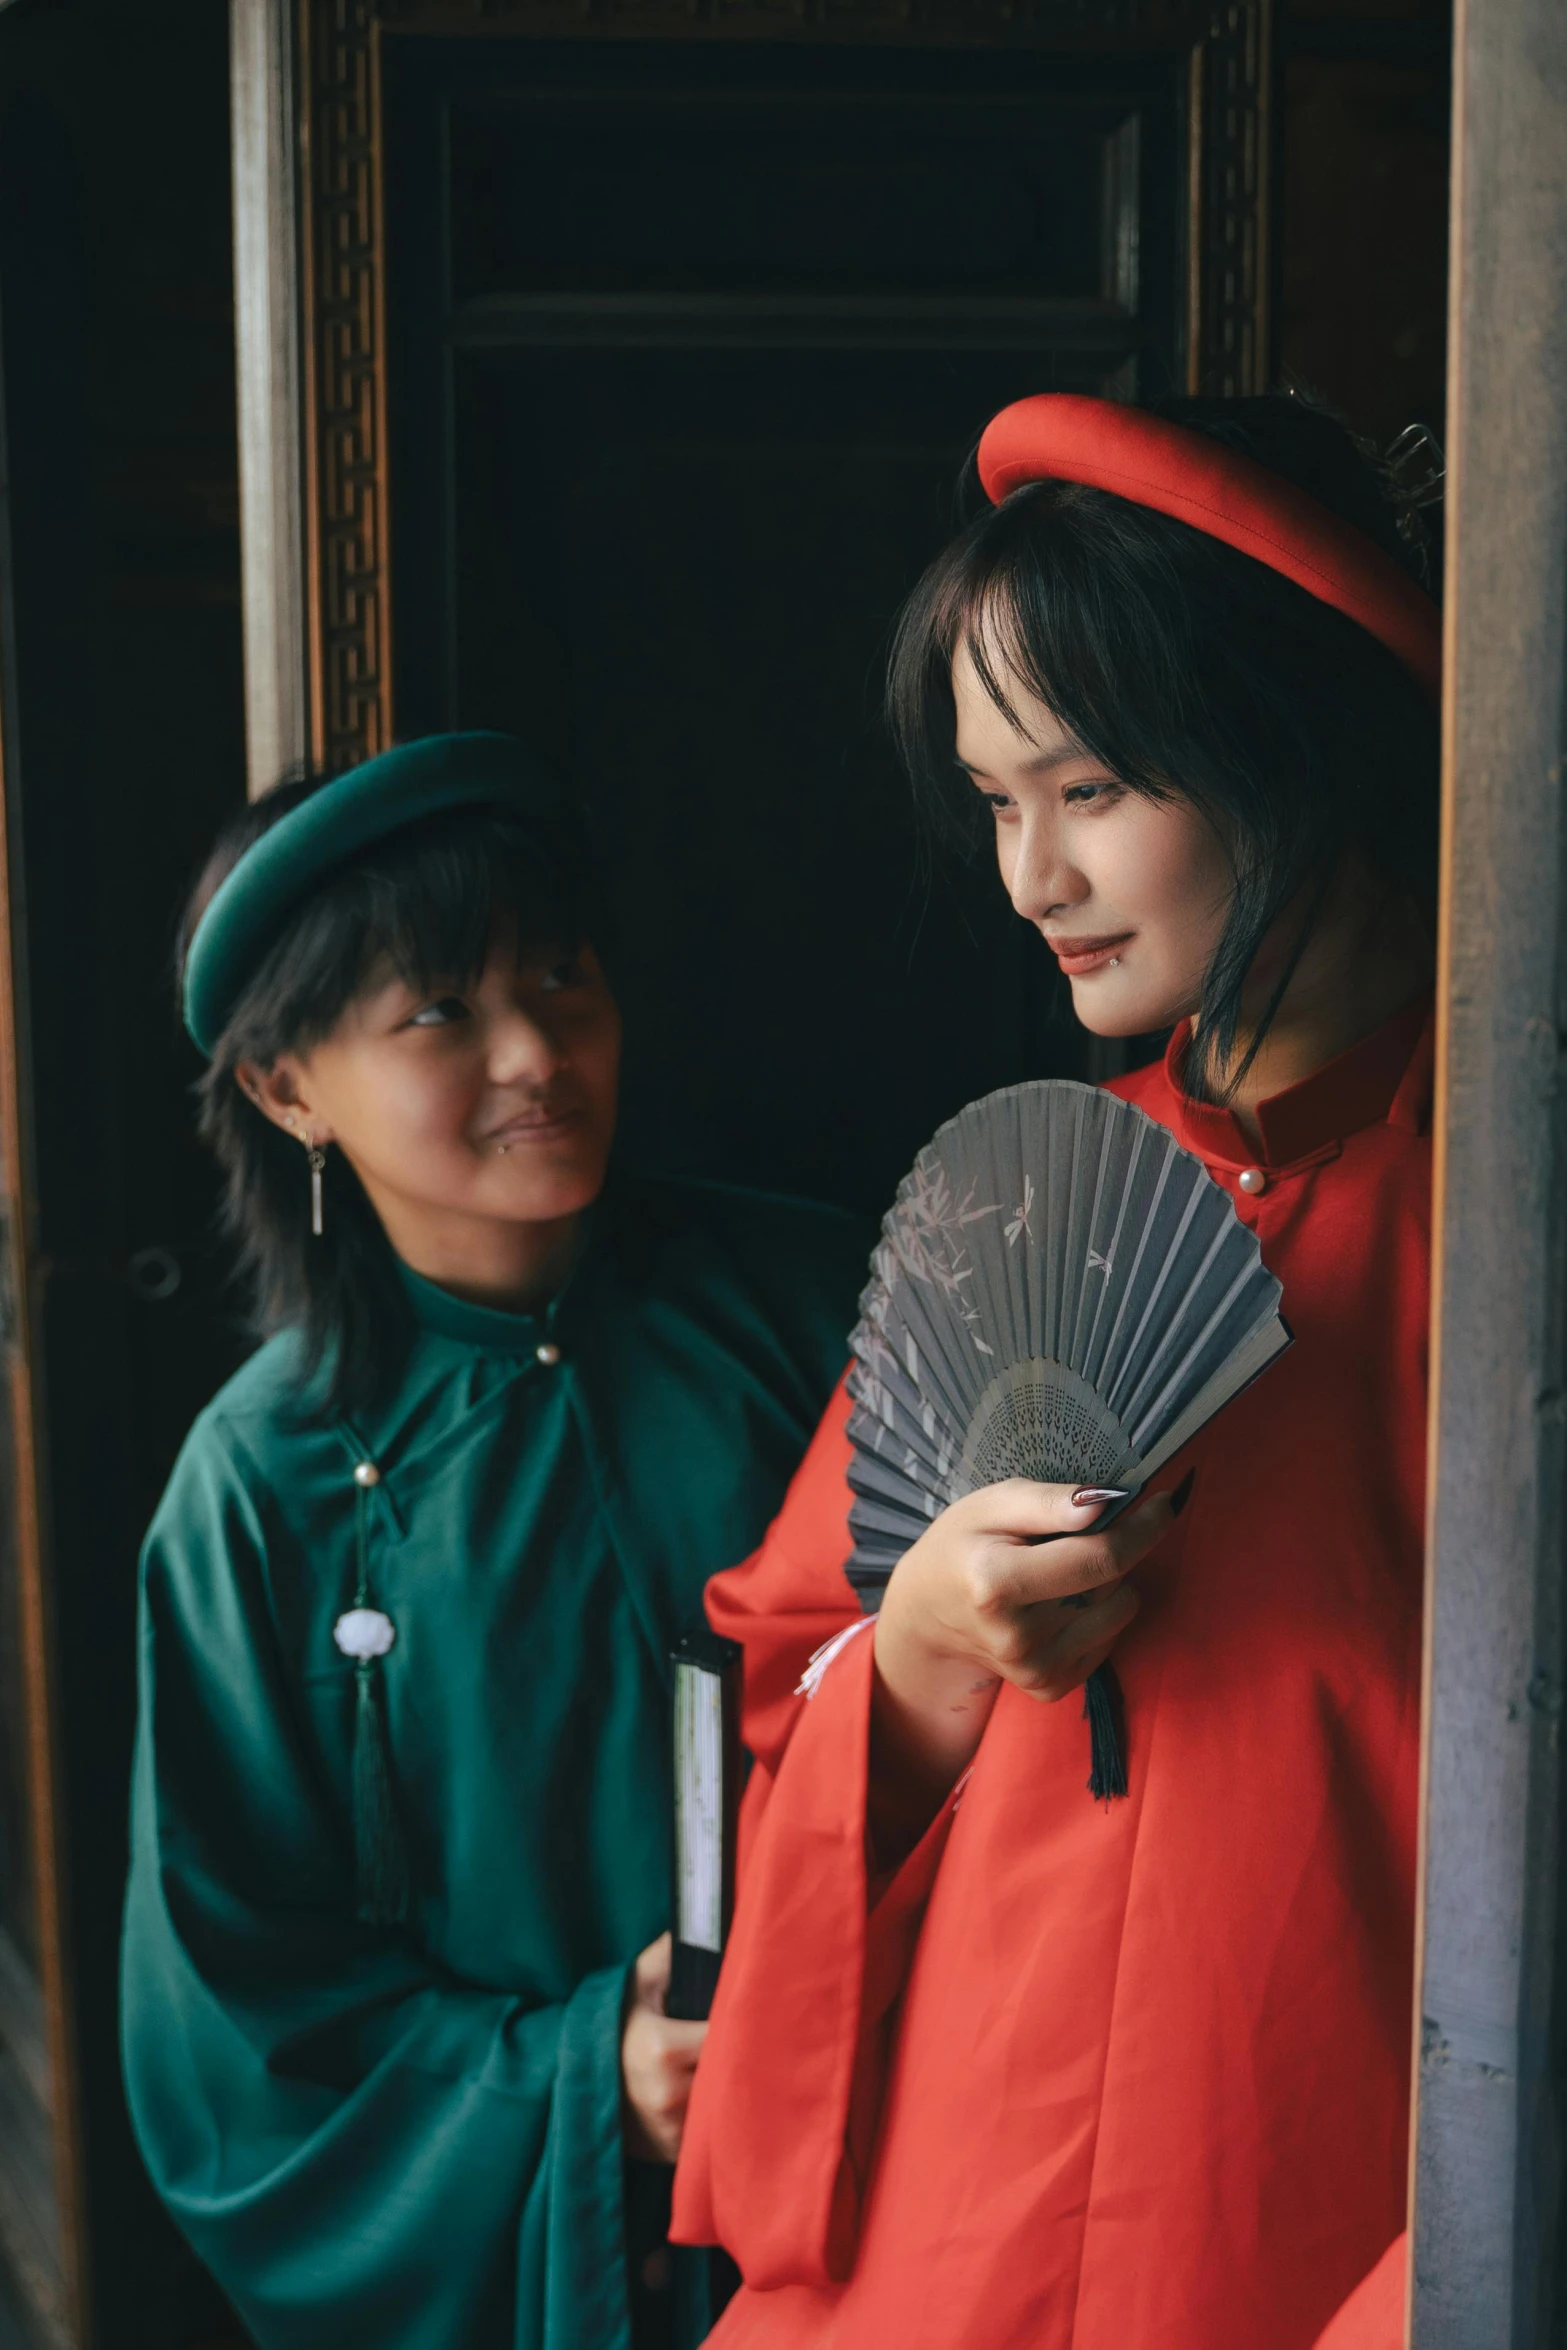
(687, 344)
(121, 727)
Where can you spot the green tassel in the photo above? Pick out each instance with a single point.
(380, 1856)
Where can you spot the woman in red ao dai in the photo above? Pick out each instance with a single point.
(992, 2064)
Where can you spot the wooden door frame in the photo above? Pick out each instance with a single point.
(311, 295)
(1486, 2179)
(55, 2286)
(269, 385)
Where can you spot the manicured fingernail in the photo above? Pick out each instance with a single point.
(1183, 1493)
(1087, 1495)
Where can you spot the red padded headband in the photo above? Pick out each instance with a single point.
(1060, 436)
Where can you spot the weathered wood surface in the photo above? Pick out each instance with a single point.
(1488, 2214)
(267, 300)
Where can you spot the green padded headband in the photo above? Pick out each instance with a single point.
(278, 872)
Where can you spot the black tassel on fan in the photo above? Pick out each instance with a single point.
(1106, 1719)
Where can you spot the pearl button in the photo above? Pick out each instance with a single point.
(547, 1354)
(366, 1473)
(1253, 1180)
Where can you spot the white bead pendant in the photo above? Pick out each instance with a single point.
(364, 1632)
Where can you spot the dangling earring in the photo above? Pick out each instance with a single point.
(317, 1160)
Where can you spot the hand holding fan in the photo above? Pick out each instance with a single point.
(1061, 1293)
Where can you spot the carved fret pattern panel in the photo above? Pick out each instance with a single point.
(345, 401)
(1232, 354)
(348, 520)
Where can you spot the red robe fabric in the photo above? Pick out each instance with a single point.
(1373, 2316)
(1129, 2076)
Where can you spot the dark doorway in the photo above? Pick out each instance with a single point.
(689, 346)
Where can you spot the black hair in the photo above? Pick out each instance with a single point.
(1191, 669)
(425, 900)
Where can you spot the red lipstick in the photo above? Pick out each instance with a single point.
(1079, 955)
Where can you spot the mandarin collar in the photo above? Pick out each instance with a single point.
(1386, 1077)
(490, 1328)
(447, 1316)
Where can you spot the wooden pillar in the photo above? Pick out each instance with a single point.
(1488, 2213)
(267, 318)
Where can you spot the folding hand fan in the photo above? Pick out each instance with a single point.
(1060, 1292)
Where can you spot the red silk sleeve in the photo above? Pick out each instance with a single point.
(784, 1601)
(784, 2108)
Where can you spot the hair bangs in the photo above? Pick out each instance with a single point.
(431, 907)
(1043, 594)
(425, 905)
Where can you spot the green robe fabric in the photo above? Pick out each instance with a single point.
(410, 2138)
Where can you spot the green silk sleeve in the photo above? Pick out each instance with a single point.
(361, 2147)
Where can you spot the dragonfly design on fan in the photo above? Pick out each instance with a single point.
(1020, 1223)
